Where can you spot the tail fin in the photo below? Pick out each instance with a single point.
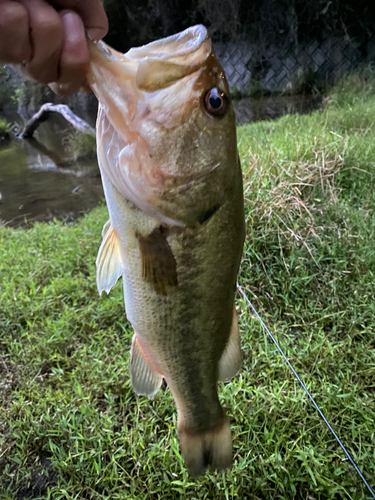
(211, 449)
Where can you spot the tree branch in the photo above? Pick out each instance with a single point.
(43, 114)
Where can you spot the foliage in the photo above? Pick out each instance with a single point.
(79, 145)
(31, 95)
(71, 426)
(4, 128)
(6, 89)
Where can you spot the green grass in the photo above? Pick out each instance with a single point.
(70, 425)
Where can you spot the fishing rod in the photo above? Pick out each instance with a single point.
(240, 289)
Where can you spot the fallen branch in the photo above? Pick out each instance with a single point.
(43, 114)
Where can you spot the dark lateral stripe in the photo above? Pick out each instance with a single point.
(158, 263)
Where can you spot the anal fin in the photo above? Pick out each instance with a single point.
(108, 263)
(231, 359)
(145, 380)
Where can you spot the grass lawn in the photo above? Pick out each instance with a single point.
(70, 425)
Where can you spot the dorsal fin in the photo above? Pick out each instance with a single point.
(108, 263)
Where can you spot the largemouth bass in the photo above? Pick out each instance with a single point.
(172, 179)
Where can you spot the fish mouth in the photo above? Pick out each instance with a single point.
(183, 48)
(161, 63)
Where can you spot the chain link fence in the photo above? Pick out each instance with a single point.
(250, 69)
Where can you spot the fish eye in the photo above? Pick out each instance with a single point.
(215, 102)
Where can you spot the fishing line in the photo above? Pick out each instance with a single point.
(307, 391)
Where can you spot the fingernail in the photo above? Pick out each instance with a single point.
(95, 34)
(73, 27)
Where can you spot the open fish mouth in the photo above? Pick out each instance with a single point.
(159, 64)
(184, 45)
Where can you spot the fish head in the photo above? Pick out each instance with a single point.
(166, 126)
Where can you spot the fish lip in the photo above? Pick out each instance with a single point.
(187, 43)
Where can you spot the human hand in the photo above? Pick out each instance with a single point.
(50, 41)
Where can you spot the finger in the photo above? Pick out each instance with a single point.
(75, 57)
(15, 46)
(47, 33)
(92, 13)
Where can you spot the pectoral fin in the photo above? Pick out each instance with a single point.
(231, 359)
(108, 263)
(145, 380)
(158, 263)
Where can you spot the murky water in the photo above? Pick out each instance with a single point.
(37, 182)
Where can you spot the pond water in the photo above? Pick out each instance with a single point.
(40, 182)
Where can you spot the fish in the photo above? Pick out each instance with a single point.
(167, 152)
